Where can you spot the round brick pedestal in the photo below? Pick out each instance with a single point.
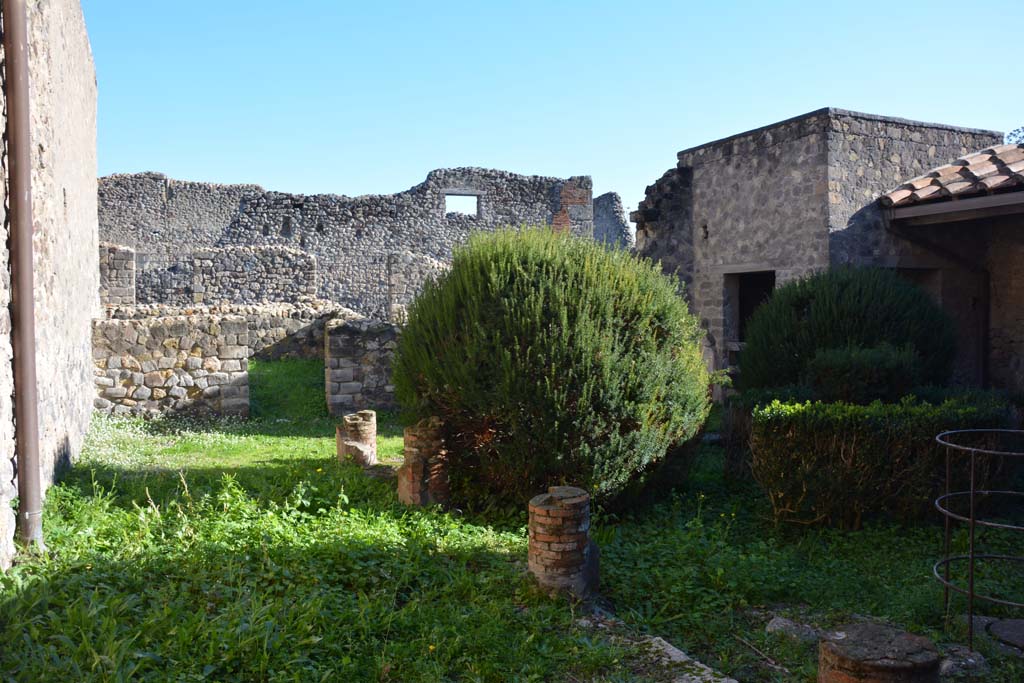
(874, 653)
(562, 557)
(357, 438)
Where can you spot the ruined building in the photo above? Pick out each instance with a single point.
(739, 216)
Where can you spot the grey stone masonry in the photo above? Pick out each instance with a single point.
(793, 198)
(610, 224)
(407, 274)
(117, 275)
(62, 109)
(275, 330)
(351, 238)
(358, 355)
(240, 275)
(197, 364)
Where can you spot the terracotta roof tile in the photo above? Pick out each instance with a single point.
(996, 168)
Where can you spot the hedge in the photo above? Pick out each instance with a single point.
(834, 464)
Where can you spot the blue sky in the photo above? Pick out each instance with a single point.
(349, 97)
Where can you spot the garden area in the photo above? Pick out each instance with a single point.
(229, 550)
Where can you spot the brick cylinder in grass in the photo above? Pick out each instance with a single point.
(875, 653)
(423, 476)
(561, 555)
(357, 438)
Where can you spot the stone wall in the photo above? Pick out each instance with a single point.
(63, 127)
(239, 275)
(1006, 265)
(358, 357)
(276, 330)
(195, 364)
(407, 273)
(792, 198)
(350, 237)
(610, 224)
(117, 275)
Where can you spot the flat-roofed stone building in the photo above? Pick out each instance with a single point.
(737, 217)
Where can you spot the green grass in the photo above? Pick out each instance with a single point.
(243, 551)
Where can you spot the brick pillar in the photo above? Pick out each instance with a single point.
(562, 556)
(874, 653)
(357, 438)
(423, 477)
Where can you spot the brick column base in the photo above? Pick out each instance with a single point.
(423, 477)
(562, 557)
(874, 653)
(356, 438)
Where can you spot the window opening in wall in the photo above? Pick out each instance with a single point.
(286, 227)
(468, 205)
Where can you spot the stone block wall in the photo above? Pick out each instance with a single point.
(350, 237)
(275, 330)
(610, 224)
(117, 275)
(407, 273)
(358, 355)
(239, 275)
(63, 128)
(197, 364)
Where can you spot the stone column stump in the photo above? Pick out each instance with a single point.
(357, 438)
(875, 653)
(562, 557)
(423, 477)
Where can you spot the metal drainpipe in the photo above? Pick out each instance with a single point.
(19, 161)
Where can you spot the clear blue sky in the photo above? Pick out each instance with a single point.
(349, 97)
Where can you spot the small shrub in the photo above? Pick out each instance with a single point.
(858, 375)
(840, 308)
(551, 360)
(833, 464)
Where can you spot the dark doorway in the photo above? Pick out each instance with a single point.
(752, 291)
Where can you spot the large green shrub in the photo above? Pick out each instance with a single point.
(842, 308)
(834, 463)
(858, 375)
(551, 360)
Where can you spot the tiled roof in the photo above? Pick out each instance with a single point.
(994, 169)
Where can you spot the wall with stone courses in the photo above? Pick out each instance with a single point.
(238, 275)
(610, 224)
(407, 273)
(358, 357)
(63, 127)
(117, 275)
(351, 237)
(275, 330)
(868, 156)
(752, 202)
(176, 364)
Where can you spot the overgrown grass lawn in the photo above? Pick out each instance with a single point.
(243, 551)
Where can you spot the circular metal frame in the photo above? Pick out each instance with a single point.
(941, 569)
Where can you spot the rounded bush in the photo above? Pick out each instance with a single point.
(551, 360)
(858, 375)
(842, 308)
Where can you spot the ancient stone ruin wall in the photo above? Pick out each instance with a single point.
(358, 358)
(407, 273)
(351, 237)
(274, 330)
(197, 364)
(238, 275)
(63, 128)
(117, 275)
(610, 224)
(870, 155)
